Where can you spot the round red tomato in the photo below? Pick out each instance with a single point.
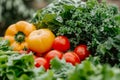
(23, 52)
(61, 43)
(40, 61)
(81, 51)
(52, 54)
(34, 56)
(71, 57)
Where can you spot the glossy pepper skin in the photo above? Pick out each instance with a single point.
(17, 34)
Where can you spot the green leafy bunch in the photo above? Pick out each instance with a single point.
(109, 51)
(15, 66)
(21, 67)
(88, 71)
(4, 45)
(50, 16)
(89, 23)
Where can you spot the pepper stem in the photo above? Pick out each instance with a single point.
(20, 37)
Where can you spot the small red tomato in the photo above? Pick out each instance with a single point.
(61, 43)
(52, 54)
(23, 52)
(40, 61)
(28, 51)
(81, 51)
(34, 56)
(71, 57)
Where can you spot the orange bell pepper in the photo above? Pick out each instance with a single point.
(17, 34)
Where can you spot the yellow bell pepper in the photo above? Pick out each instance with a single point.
(17, 34)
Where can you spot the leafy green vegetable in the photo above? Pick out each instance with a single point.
(61, 68)
(109, 51)
(88, 71)
(4, 45)
(84, 71)
(21, 67)
(15, 65)
(51, 16)
(46, 76)
(90, 23)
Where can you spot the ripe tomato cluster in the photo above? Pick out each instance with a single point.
(61, 49)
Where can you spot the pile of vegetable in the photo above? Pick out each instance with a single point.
(95, 24)
(67, 40)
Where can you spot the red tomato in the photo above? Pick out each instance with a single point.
(52, 54)
(28, 51)
(40, 61)
(34, 56)
(81, 51)
(71, 57)
(61, 43)
(23, 52)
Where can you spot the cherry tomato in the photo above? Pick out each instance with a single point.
(71, 57)
(28, 51)
(40, 61)
(34, 56)
(61, 43)
(23, 52)
(52, 54)
(81, 51)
